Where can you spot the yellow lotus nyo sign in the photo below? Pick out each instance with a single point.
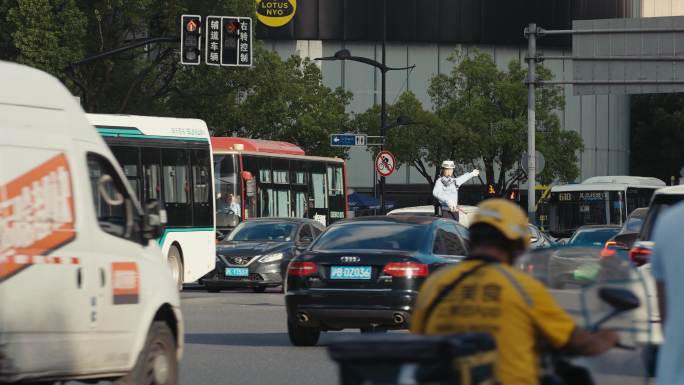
(276, 13)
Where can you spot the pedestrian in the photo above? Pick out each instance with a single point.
(667, 268)
(446, 189)
(486, 293)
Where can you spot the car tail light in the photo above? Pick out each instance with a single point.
(302, 269)
(609, 249)
(406, 269)
(640, 255)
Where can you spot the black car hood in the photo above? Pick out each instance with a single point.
(251, 248)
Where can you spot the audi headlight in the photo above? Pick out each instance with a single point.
(271, 257)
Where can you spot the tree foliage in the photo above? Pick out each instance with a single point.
(276, 99)
(480, 119)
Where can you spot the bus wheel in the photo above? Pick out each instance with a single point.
(176, 266)
(157, 364)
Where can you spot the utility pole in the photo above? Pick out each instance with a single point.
(531, 33)
(383, 102)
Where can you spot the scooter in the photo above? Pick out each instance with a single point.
(560, 370)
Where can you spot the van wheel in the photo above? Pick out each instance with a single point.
(157, 364)
(176, 265)
(301, 336)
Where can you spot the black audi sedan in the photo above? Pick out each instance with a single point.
(365, 273)
(256, 253)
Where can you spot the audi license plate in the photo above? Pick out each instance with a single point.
(237, 272)
(350, 272)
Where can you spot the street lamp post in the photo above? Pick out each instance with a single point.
(344, 54)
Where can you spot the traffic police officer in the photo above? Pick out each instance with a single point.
(446, 189)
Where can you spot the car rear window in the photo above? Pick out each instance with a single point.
(660, 203)
(372, 236)
(632, 225)
(597, 237)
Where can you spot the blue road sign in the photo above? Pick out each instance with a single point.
(347, 140)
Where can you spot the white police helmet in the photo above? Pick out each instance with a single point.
(448, 164)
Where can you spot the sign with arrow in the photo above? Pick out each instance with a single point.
(348, 140)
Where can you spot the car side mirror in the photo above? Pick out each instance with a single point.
(620, 299)
(154, 220)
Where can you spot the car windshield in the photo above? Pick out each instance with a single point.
(377, 235)
(592, 237)
(263, 231)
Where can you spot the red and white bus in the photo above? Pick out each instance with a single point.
(261, 178)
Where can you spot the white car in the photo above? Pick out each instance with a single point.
(85, 292)
(466, 212)
(641, 252)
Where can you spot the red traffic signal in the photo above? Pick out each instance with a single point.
(233, 27)
(192, 25)
(191, 40)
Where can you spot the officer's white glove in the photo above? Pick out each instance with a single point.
(475, 173)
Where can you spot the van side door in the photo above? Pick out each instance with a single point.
(116, 241)
(44, 302)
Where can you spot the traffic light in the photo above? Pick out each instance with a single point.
(191, 39)
(231, 36)
(513, 195)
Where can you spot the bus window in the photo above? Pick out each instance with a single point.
(570, 210)
(265, 170)
(201, 190)
(176, 183)
(266, 202)
(128, 158)
(282, 203)
(299, 171)
(281, 177)
(335, 181)
(300, 204)
(638, 197)
(151, 168)
(318, 188)
(228, 193)
(252, 190)
(336, 193)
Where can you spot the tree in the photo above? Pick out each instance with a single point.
(276, 99)
(489, 108)
(423, 144)
(480, 118)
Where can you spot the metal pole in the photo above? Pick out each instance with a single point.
(383, 102)
(531, 121)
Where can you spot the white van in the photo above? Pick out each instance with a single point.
(84, 290)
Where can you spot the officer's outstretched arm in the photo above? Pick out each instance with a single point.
(466, 177)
